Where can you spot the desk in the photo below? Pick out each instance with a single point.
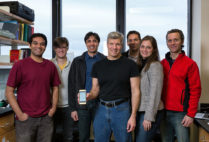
(203, 130)
(7, 130)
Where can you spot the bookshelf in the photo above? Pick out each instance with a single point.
(6, 16)
(12, 42)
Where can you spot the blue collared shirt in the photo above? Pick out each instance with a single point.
(89, 64)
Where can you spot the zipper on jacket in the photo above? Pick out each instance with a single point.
(182, 96)
(168, 77)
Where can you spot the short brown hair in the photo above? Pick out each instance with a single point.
(58, 41)
(176, 31)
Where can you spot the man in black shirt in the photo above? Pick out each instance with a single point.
(133, 41)
(115, 80)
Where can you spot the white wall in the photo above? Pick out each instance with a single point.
(200, 50)
(196, 32)
(200, 43)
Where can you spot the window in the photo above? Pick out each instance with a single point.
(80, 17)
(43, 21)
(156, 18)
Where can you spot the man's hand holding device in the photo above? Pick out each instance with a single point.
(82, 97)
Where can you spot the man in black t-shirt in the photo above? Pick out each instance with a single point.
(115, 80)
(133, 42)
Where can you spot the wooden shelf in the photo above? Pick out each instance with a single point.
(6, 16)
(5, 65)
(8, 41)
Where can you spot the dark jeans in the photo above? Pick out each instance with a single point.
(63, 125)
(34, 129)
(86, 117)
(147, 136)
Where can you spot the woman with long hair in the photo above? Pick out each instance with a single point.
(151, 72)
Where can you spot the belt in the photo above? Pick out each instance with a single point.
(112, 104)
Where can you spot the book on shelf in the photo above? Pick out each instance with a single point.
(9, 29)
(25, 52)
(22, 31)
(25, 34)
(30, 31)
(25, 31)
(14, 30)
(16, 55)
(5, 8)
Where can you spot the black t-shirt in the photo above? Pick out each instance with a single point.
(114, 77)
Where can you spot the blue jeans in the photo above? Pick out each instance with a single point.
(112, 119)
(171, 125)
(146, 136)
(86, 117)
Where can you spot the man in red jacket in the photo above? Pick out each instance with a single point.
(181, 89)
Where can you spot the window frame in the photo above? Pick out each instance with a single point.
(120, 22)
